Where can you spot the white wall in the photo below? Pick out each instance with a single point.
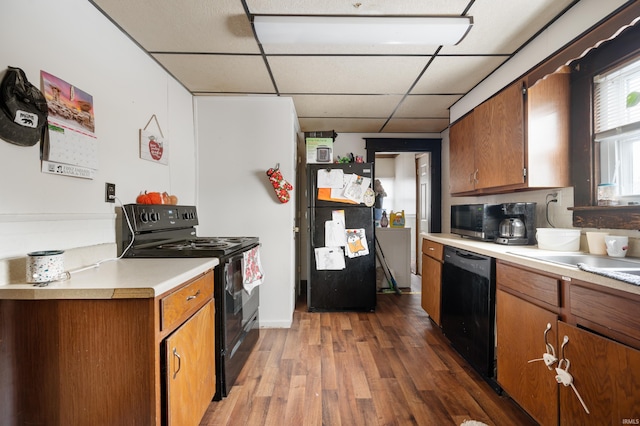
(234, 196)
(72, 40)
(405, 183)
(355, 142)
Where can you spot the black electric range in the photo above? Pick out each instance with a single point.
(165, 231)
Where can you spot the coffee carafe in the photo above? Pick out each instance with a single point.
(518, 224)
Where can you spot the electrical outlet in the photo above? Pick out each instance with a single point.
(110, 192)
(555, 195)
(558, 197)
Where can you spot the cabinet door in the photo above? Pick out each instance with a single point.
(520, 327)
(431, 284)
(462, 155)
(547, 126)
(500, 148)
(190, 369)
(607, 376)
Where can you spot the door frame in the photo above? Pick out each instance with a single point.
(431, 145)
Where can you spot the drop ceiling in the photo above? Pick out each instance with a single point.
(211, 49)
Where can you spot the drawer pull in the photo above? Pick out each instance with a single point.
(193, 296)
(177, 355)
(431, 248)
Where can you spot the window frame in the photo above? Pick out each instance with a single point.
(585, 166)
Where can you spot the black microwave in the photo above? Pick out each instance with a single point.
(476, 221)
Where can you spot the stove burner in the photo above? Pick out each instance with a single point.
(202, 244)
(194, 245)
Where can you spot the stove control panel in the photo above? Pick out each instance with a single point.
(149, 217)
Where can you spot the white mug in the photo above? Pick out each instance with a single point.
(617, 245)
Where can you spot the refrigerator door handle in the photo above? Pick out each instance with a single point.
(312, 220)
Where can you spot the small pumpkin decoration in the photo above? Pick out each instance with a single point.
(143, 198)
(156, 198)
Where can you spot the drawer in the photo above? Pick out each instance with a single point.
(182, 303)
(614, 312)
(541, 287)
(432, 249)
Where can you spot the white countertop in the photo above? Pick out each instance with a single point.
(118, 279)
(511, 254)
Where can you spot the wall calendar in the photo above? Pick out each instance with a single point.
(71, 148)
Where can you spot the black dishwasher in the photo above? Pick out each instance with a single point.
(468, 308)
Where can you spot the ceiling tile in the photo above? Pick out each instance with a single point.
(219, 26)
(341, 125)
(416, 125)
(448, 74)
(210, 48)
(380, 106)
(504, 26)
(431, 106)
(345, 74)
(219, 73)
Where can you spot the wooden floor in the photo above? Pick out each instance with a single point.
(391, 367)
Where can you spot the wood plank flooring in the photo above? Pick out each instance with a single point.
(391, 367)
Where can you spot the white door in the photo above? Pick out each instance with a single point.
(423, 213)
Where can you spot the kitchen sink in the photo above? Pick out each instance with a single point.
(602, 262)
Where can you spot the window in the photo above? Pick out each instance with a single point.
(616, 109)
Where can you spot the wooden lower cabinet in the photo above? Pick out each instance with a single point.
(432, 253)
(190, 380)
(520, 335)
(99, 362)
(605, 373)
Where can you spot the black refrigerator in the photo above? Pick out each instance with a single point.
(350, 286)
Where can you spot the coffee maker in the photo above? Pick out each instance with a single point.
(518, 224)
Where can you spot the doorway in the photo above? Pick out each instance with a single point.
(427, 180)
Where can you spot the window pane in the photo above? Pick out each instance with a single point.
(617, 127)
(620, 164)
(611, 92)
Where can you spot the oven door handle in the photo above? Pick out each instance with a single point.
(229, 279)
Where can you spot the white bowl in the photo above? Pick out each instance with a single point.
(558, 239)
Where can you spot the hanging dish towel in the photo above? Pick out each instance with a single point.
(252, 275)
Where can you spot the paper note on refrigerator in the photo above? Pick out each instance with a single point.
(334, 233)
(330, 178)
(357, 243)
(329, 258)
(355, 187)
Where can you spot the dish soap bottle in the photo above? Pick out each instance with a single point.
(384, 221)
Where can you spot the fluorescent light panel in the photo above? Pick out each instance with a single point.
(358, 30)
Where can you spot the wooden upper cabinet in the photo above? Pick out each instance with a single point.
(500, 139)
(462, 154)
(548, 109)
(518, 139)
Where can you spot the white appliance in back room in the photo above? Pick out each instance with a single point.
(238, 140)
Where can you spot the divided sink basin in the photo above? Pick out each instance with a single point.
(627, 266)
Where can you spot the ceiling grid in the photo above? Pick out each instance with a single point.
(212, 49)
